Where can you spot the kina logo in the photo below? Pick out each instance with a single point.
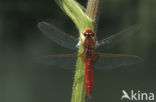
(138, 95)
(125, 95)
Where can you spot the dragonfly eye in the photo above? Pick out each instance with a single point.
(89, 33)
(85, 34)
(92, 34)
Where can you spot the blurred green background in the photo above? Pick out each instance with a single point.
(22, 79)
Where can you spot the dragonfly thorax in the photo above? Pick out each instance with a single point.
(89, 44)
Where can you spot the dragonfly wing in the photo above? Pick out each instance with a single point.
(65, 61)
(110, 41)
(58, 36)
(110, 61)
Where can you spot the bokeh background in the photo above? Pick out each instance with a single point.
(22, 79)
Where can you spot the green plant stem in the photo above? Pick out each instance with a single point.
(93, 10)
(79, 90)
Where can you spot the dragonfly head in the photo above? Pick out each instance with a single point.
(89, 33)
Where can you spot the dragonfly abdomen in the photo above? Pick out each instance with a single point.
(89, 76)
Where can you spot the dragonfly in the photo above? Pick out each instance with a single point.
(99, 60)
(89, 57)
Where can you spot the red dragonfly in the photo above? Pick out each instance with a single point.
(90, 58)
(103, 60)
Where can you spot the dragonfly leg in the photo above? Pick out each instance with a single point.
(83, 56)
(95, 57)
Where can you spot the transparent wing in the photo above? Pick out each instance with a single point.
(110, 41)
(64, 61)
(58, 36)
(110, 61)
